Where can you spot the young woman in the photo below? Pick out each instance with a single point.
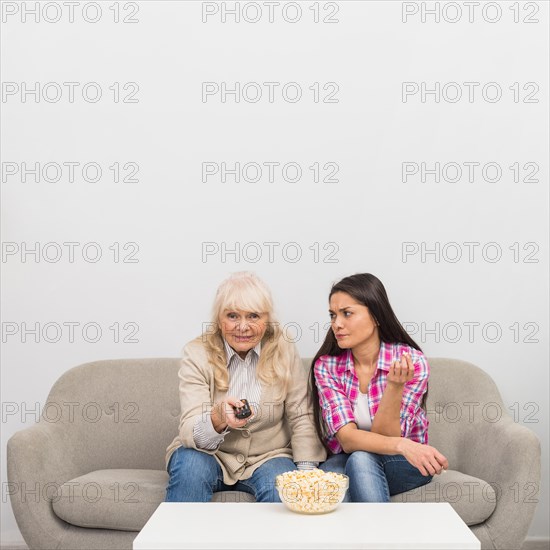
(241, 355)
(369, 382)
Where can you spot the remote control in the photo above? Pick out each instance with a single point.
(244, 411)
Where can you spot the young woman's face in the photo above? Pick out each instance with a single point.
(243, 329)
(351, 321)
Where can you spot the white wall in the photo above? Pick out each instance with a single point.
(368, 213)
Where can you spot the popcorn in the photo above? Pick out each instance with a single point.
(312, 491)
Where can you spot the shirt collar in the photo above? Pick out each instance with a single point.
(230, 352)
(382, 363)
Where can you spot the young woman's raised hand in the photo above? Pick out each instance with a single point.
(401, 371)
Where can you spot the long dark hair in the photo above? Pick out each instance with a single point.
(369, 291)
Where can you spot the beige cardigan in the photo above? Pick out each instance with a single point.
(283, 429)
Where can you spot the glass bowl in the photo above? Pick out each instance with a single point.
(312, 491)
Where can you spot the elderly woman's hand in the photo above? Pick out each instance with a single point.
(223, 415)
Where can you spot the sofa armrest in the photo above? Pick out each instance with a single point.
(39, 461)
(508, 457)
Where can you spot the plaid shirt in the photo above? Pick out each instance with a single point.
(338, 387)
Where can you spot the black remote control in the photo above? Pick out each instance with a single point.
(244, 411)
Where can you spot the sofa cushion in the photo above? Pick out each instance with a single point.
(111, 499)
(473, 499)
(124, 500)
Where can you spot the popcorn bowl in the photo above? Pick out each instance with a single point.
(312, 491)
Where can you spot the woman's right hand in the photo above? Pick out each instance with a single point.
(427, 459)
(223, 415)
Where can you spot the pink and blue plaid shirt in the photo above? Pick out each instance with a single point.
(338, 387)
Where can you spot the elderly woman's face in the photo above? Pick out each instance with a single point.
(243, 329)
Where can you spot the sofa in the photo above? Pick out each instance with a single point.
(91, 472)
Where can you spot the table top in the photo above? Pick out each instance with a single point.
(270, 526)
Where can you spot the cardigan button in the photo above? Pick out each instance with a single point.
(174, 412)
(241, 458)
(246, 433)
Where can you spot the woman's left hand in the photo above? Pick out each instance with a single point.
(401, 371)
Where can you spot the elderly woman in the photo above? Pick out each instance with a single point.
(369, 382)
(241, 355)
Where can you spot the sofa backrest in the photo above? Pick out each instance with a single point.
(125, 412)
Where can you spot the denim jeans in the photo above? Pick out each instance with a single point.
(374, 477)
(195, 476)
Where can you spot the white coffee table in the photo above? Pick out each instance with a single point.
(259, 526)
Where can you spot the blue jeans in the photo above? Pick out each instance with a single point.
(195, 476)
(374, 477)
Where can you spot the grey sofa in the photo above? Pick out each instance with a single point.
(91, 472)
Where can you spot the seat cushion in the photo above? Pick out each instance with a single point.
(111, 499)
(124, 500)
(473, 499)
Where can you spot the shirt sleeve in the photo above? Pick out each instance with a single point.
(306, 465)
(194, 391)
(413, 420)
(204, 434)
(335, 405)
